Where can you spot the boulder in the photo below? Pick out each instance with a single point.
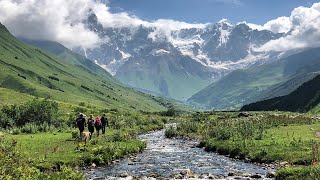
(255, 176)
(243, 115)
(270, 175)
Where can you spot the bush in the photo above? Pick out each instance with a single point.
(36, 111)
(188, 127)
(29, 128)
(75, 134)
(171, 132)
(32, 128)
(120, 136)
(307, 172)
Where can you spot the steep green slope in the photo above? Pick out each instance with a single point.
(68, 56)
(285, 88)
(305, 98)
(74, 80)
(244, 86)
(165, 75)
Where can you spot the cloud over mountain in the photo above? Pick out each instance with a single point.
(64, 21)
(303, 30)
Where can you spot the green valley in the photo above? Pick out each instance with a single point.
(73, 79)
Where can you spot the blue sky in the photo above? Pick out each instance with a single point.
(203, 11)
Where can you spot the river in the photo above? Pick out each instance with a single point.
(166, 158)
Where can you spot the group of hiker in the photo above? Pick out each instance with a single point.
(98, 123)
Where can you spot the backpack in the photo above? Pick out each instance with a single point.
(80, 122)
(98, 121)
(90, 122)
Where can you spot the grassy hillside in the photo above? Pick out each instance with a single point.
(305, 98)
(245, 86)
(73, 79)
(285, 88)
(173, 77)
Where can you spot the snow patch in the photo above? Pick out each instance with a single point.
(159, 52)
(106, 67)
(224, 36)
(85, 52)
(124, 55)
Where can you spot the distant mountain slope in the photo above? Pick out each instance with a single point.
(75, 79)
(244, 86)
(69, 57)
(305, 98)
(285, 88)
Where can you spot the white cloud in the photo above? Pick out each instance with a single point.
(304, 30)
(279, 25)
(57, 20)
(64, 20)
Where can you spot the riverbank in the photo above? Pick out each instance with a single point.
(54, 151)
(285, 139)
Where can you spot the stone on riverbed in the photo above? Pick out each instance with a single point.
(123, 175)
(270, 175)
(255, 176)
(186, 172)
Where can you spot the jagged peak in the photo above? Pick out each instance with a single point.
(225, 21)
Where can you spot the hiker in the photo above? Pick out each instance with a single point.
(81, 122)
(97, 124)
(91, 125)
(104, 123)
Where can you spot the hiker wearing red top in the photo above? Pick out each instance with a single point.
(98, 125)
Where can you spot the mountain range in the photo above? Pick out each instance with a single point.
(180, 63)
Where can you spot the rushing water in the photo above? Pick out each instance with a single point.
(166, 158)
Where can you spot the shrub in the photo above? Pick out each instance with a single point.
(82, 104)
(171, 132)
(120, 136)
(36, 111)
(307, 172)
(54, 78)
(75, 134)
(189, 127)
(29, 128)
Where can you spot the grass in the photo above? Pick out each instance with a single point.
(9, 97)
(263, 137)
(46, 150)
